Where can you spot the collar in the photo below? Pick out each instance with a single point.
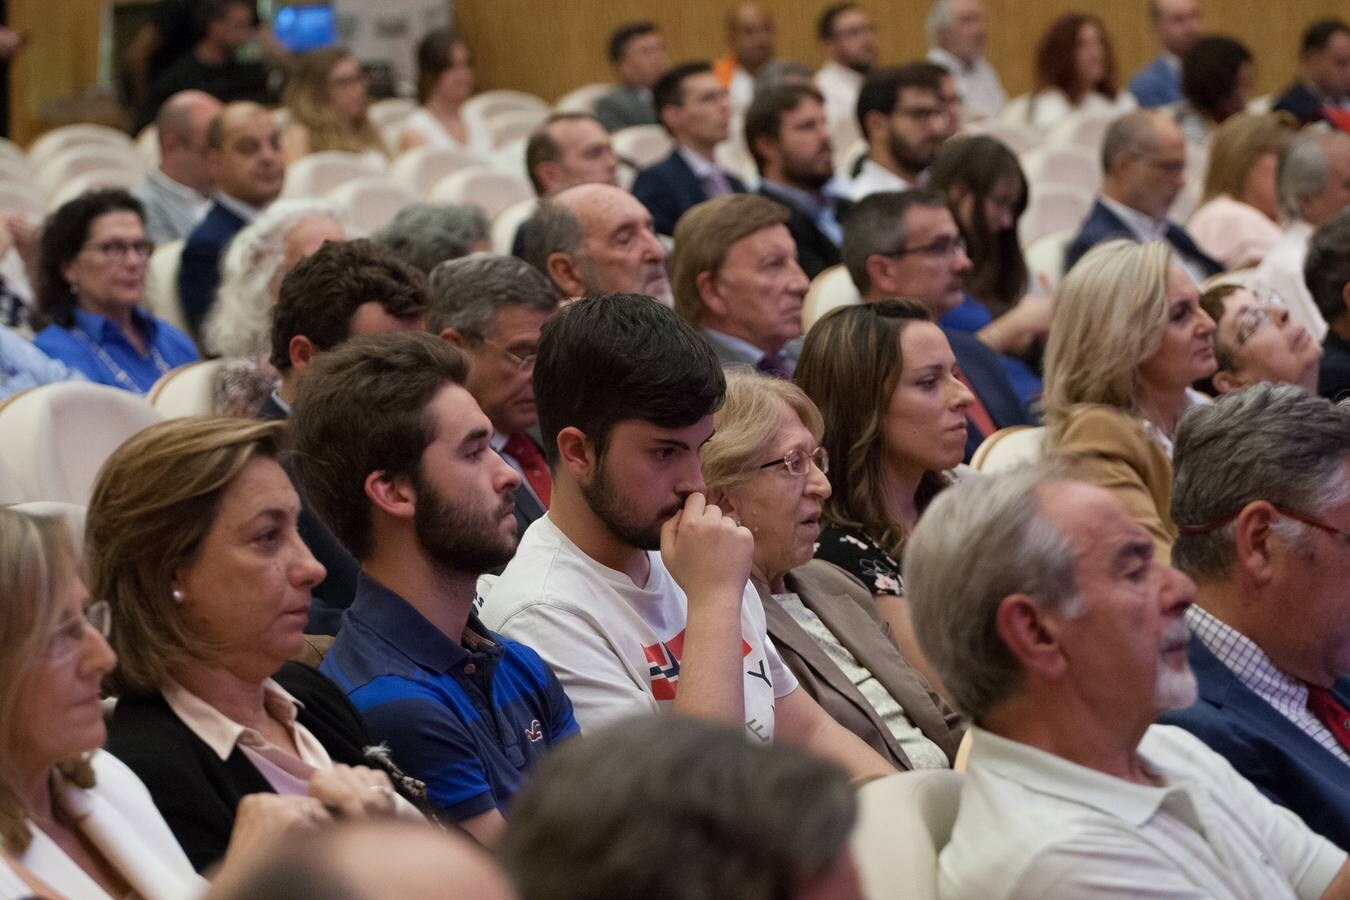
(281, 404)
(701, 166)
(1171, 60)
(874, 173)
(1145, 228)
(103, 329)
(738, 346)
(401, 626)
(237, 206)
(498, 440)
(951, 62)
(838, 70)
(1246, 660)
(217, 730)
(807, 202)
(177, 188)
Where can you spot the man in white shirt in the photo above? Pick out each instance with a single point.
(1056, 630)
(626, 393)
(849, 45)
(176, 194)
(905, 119)
(1314, 185)
(957, 37)
(750, 44)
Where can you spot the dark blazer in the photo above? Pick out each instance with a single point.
(984, 371)
(1104, 225)
(1333, 373)
(846, 608)
(199, 271)
(338, 588)
(815, 251)
(1301, 102)
(198, 793)
(670, 187)
(625, 107)
(1267, 749)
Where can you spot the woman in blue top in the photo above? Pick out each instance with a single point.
(91, 276)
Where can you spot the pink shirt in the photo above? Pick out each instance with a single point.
(1235, 233)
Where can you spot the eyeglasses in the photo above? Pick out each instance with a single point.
(69, 635)
(798, 463)
(1249, 321)
(118, 250)
(520, 362)
(942, 247)
(1287, 513)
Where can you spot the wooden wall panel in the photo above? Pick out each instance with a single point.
(61, 56)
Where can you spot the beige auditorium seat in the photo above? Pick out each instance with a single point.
(22, 198)
(188, 390)
(161, 284)
(318, 173)
(10, 489)
(1067, 165)
(1045, 257)
(55, 437)
(12, 169)
(1053, 207)
(97, 179)
(584, 98)
(1087, 131)
(489, 190)
(62, 166)
(487, 106)
(1019, 138)
(514, 125)
(390, 111)
(829, 290)
(11, 150)
(147, 145)
(904, 821)
(67, 136)
(418, 170)
(508, 222)
(1010, 448)
(370, 203)
(642, 145)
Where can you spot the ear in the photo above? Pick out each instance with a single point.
(1031, 635)
(548, 172)
(301, 351)
(1345, 299)
(566, 274)
(879, 275)
(710, 294)
(575, 453)
(723, 501)
(67, 269)
(1252, 541)
(452, 336)
(391, 495)
(873, 120)
(767, 148)
(1225, 382)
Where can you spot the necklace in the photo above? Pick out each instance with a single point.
(118, 373)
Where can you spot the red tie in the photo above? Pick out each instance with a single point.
(1333, 715)
(523, 450)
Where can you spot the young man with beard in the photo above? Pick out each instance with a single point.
(420, 498)
(905, 120)
(626, 393)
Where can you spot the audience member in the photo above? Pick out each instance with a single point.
(956, 41)
(18, 256)
(693, 107)
(597, 239)
(735, 277)
(778, 71)
(907, 245)
(1314, 185)
(1259, 477)
(630, 631)
(424, 235)
(1075, 73)
(786, 133)
(1062, 636)
(169, 32)
(1321, 89)
(1127, 339)
(421, 499)
(1178, 24)
(1327, 271)
(904, 119)
(220, 27)
(823, 621)
(176, 193)
(326, 97)
(1255, 340)
(1144, 169)
(567, 149)
(1237, 223)
(584, 826)
(23, 365)
(247, 169)
(343, 289)
(192, 542)
(750, 44)
(91, 280)
(493, 308)
(637, 54)
(445, 80)
(849, 45)
(1216, 83)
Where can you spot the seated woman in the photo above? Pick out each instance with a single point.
(1216, 83)
(823, 621)
(1238, 219)
(1127, 339)
(884, 378)
(326, 96)
(91, 280)
(192, 541)
(1075, 73)
(1255, 340)
(444, 81)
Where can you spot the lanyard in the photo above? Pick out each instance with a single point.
(118, 373)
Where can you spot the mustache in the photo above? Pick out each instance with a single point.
(1176, 633)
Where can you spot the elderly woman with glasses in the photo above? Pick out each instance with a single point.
(765, 466)
(91, 279)
(1255, 340)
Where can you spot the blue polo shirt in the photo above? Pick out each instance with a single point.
(469, 718)
(95, 346)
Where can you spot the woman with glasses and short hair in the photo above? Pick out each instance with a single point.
(92, 262)
(1255, 340)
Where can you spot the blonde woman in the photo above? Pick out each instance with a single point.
(326, 96)
(1238, 219)
(1127, 339)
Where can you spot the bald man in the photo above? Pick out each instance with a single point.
(177, 193)
(750, 44)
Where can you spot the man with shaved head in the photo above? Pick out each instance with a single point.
(1178, 25)
(750, 44)
(597, 239)
(177, 193)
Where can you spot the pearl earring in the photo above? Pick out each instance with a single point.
(177, 595)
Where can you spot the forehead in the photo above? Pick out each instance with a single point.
(699, 83)
(1093, 520)
(907, 96)
(758, 244)
(807, 108)
(117, 222)
(928, 221)
(603, 212)
(1180, 286)
(256, 123)
(641, 432)
(643, 42)
(572, 134)
(923, 344)
(850, 19)
(454, 413)
(261, 484)
(1234, 305)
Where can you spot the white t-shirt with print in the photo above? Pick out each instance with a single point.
(616, 647)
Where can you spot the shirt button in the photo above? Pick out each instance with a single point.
(470, 668)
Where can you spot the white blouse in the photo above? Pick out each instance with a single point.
(426, 126)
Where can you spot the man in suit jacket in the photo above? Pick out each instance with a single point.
(1144, 160)
(693, 107)
(492, 308)
(786, 132)
(638, 56)
(1322, 85)
(1270, 557)
(1178, 25)
(248, 170)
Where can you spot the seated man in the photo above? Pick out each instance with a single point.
(1321, 91)
(343, 289)
(492, 308)
(1062, 637)
(596, 239)
(1327, 270)
(637, 54)
(176, 193)
(848, 44)
(567, 149)
(750, 45)
(1260, 474)
(905, 120)
(1144, 162)
(1256, 340)
(693, 107)
(1178, 25)
(420, 498)
(956, 41)
(736, 278)
(626, 393)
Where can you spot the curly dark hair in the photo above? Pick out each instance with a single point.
(64, 234)
(1056, 60)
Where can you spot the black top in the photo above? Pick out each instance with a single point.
(1333, 374)
(1302, 103)
(860, 556)
(227, 83)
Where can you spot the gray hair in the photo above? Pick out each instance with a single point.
(553, 228)
(876, 224)
(980, 541)
(1270, 442)
(467, 293)
(1302, 171)
(782, 71)
(1133, 133)
(240, 321)
(1326, 269)
(424, 234)
(940, 16)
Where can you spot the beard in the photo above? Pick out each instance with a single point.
(803, 175)
(615, 511)
(912, 157)
(1175, 688)
(459, 537)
